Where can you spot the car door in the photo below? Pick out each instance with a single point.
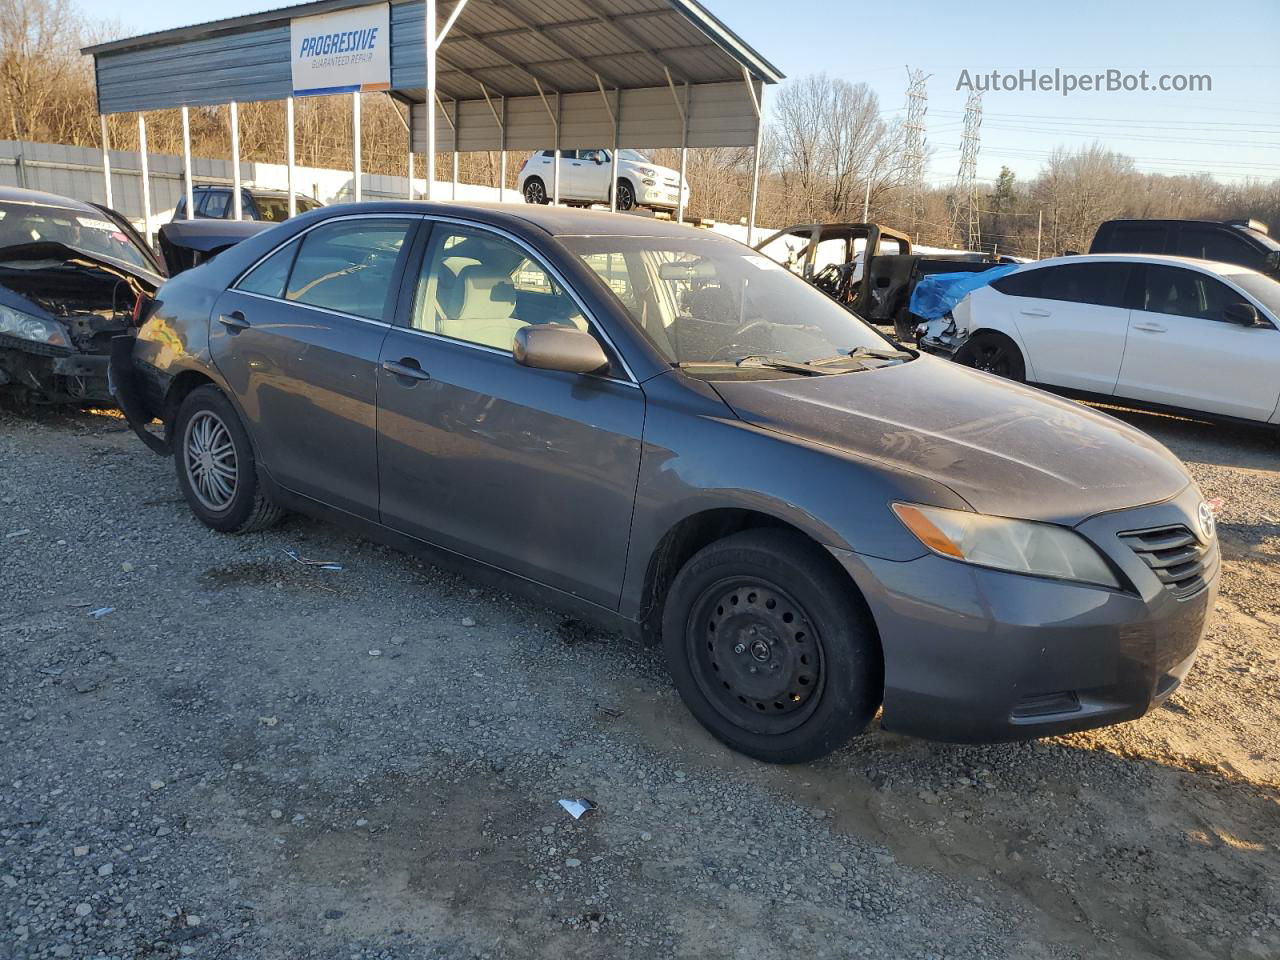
(1182, 352)
(298, 339)
(532, 471)
(1072, 320)
(597, 167)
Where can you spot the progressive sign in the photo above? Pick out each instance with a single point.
(348, 51)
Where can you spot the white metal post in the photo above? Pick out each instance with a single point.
(356, 166)
(106, 156)
(146, 177)
(1039, 231)
(429, 40)
(555, 175)
(454, 194)
(186, 162)
(757, 101)
(411, 171)
(684, 156)
(290, 156)
(237, 204)
(615, 161)
(502, 159)
(866, 202)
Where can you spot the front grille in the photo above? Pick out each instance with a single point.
(1175, 555)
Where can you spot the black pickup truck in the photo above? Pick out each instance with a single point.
(867, 267)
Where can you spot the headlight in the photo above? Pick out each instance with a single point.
(26, 327)
(646, 171)
(1019, 546)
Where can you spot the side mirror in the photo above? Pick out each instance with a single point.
(1242, 313)
(598, 159)
(557, 347)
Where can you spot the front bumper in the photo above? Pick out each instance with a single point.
(979, 655)
(662, 195)
(55, 374)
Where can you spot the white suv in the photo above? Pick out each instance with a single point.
(586, 175)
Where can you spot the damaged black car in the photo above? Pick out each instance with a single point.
(72, 276)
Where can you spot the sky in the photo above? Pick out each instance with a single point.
(1231, 131)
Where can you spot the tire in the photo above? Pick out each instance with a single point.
(217, 471)
(535, 191)
(994, 353)
(772, 649)
(626, 195)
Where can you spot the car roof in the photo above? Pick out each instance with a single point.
(556, 221)
(1207, 266)
(21, 195)
(256, 191)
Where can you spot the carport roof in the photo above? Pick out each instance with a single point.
(506, 48)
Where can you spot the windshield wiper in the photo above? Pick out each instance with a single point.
(781, 363)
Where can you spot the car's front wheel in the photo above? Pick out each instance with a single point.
(216, 469)
(994, 352)
(626, 195)
(771, 648)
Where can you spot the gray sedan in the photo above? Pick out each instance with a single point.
(663, 431)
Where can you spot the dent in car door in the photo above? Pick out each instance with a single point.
(532, 471)
(1073, 321)
(1182, 352)
(298, 340)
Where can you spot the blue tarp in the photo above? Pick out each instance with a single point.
(935, 296)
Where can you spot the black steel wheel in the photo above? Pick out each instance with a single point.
(535, 191)
(994, 353)
(755, 654)
(771, 646)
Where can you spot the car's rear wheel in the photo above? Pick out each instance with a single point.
(626, 195)
(995, 353)
(535, 191)
(771, 648)
(216, 469)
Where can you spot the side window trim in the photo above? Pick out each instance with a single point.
(409, 250)
(430, 225)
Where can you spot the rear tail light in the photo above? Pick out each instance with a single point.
(140, 309)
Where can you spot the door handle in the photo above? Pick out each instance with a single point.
(1035, 313)
(234, 321)
(1150, 328)
(406, 367)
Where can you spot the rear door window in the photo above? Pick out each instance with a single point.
(1101, 284)
(1136, 238)
(215, 204)
(350, 266)
(268, 278)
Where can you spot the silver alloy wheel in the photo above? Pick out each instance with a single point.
(535, 192)
(211, 464)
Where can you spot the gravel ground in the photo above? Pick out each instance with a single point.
(248, 758)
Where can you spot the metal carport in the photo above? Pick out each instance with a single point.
(497, 75)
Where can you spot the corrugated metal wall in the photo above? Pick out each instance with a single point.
(720, 115)
(248, 66)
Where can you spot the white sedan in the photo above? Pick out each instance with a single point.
(586, 177)
(1170, 333)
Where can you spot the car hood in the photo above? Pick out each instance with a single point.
(1007, 449)
(40, 254)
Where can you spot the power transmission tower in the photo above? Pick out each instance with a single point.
(913, 151)
(967, 178)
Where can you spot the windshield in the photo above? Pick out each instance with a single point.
(634, 155)
(91, 231)
(716, 301)
(1262, 288)
(274, 209)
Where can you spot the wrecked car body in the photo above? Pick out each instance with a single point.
(868, 268)
(74, 275)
